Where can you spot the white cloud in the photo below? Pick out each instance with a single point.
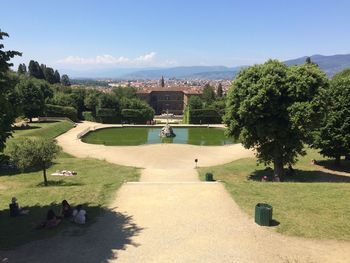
(147, 59)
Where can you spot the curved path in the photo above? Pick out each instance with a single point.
(169, 216)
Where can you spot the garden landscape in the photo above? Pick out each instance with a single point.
(140, 159)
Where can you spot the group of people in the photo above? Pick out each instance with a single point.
(77, 215)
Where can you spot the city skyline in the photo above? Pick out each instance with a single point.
(146, 34)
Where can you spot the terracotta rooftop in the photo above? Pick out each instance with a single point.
(186, 90)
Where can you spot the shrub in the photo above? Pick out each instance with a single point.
(106, 115)
(204, 116)
(139, 116)
(61, 111)
(88, 116)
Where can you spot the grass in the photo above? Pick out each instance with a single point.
(94, 186)
(48, 130)
(313, 203)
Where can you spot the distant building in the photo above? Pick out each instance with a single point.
(173, 99)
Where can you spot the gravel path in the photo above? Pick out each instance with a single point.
(170, 216)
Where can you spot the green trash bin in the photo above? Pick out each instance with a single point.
(209, 177)
(263, 214)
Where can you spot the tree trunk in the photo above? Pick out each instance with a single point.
(337, 161)
(30, 119)
(44, 173)
(347, 157)
(278, 170)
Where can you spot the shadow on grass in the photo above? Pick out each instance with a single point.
(329, 164)
(30, 127)
(301, 176)
(58, 183)
(106, 232)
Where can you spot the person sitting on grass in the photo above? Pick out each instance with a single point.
(66, 210)
(51, 220)
(15, 210)
(79, 215)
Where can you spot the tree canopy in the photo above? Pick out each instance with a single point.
(333, 137)
(31, 96)
(273, 109)
(33, 153)
(7, 83)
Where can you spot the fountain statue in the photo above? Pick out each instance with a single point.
(167, 130)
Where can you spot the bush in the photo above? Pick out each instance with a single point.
(88, 116)
(139, 116)
(106, 115)
(61, 111)
(204, 116)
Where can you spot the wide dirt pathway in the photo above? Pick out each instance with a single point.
(170, 216)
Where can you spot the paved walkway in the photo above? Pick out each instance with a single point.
(170, 216)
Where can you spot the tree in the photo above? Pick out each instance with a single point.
(162, 84)
(91, 101)
(49, 74)
(22, 69)
(65, 81)
(108, 101)
(7, 83)
(219, 91)
(33, 153)
(208, 95)
(31, 97)
(35, 70)
(125, 92)
(274, 109)
(57, 77)
(333, 137)
(195, 103)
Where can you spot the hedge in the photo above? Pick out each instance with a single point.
(88, 116)
(135, 116)
(204, 116)
(106, 115)
(61, 111)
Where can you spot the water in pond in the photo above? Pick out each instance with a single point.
(138, 136)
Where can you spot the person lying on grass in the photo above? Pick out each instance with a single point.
(15, 210)
(51, 220)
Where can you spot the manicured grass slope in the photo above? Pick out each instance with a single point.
(94, 186)
(305, 206)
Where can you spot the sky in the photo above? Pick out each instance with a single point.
(91, 34)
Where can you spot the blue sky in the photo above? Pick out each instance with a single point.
(91, 34)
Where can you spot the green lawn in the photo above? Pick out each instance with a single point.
(45, 129)
(313, 203)
(94, 186)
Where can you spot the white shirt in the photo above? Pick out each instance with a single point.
(79, 217)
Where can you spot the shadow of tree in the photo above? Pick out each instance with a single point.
(58, 183)
(329, 164)
(30, 127)
(302, 176)
(106, 232)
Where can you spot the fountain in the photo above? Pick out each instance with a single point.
(167, 130)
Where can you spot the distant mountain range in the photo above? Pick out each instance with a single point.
(330, 64)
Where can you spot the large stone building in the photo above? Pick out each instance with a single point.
(173, 99)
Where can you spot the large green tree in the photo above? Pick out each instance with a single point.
(31, 97)
(273, 109)
(208, 94)
(35, 70)
(333, 137)
(65, 81)
(33, 153)
(219, 91)
(49, 74)
(7, 83)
